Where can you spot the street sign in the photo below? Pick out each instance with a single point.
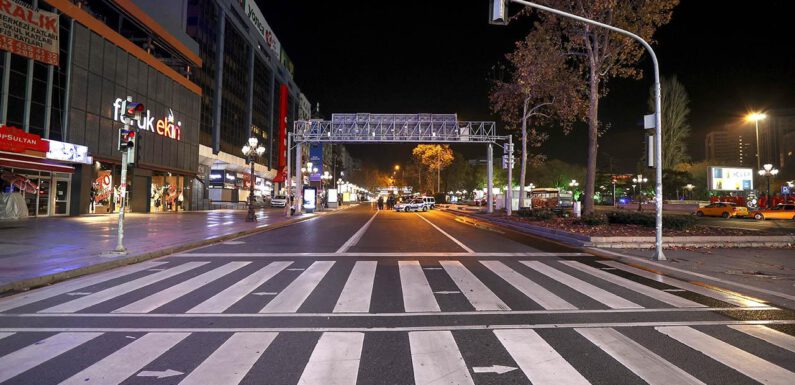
(649, 121)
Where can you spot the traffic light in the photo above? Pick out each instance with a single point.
(133, 110)
(126, 139)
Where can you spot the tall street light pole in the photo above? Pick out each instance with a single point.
(756, 117)
(499, 13)
(251, 151)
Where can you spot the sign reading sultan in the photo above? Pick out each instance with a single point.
(28, 32)
(167, 126)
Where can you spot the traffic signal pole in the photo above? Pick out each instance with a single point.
(127, 147)
(123, 202)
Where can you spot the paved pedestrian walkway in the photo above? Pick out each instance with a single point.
(57, 248)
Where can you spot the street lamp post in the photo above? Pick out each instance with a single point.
(756, 117)
(768, 171)
(640, 180)
(251, 151)
(499, 16)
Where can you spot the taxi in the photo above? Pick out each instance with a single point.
(722, 209)
(781, 211)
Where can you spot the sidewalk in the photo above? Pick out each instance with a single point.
(38, 251)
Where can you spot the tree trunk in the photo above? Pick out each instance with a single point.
(438, 178)
(593, 136)
(524, 157)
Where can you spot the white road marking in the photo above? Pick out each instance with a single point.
(124, 288)
(377, 255)
(296, 269)
(436, 359)
(417, 293)
(478, 294)
(154, 301)
(733, 357)
(335, 360)
(585, 288)
(498, 369)
(156, 269)
(652, 368)
(231, 361)
(447, 292)
(4, 335)
(672, 290)
(357, 236)
(266, 293)
(457, 242)
(772, 336)
(538, 360)
(159, 373)
(36, 295)
(659, 295)
(719, 295)
(431, 268)
(396, 329)
(358, 290)
(125, 362)
(294, 295)
(532, 290)
(22, 360)
(703, 276)
(231, 295)
(234, 242)
(76, 293)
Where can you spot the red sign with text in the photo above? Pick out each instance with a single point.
(13, 139)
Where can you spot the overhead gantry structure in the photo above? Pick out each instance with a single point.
(398, 128)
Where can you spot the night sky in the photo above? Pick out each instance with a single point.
(435, 56)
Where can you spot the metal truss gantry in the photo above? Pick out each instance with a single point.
(397, 128)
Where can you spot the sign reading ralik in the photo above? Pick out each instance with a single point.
(167, 126)
(28, 32)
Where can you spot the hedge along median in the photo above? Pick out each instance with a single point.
(631, 230)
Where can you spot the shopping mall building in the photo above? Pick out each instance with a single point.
(210, 74)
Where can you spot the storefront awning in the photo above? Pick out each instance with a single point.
(19, 161)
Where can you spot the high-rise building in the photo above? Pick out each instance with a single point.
(774, 130)
(731, 148)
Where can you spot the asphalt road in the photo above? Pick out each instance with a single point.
(771, 225)
(369, 297)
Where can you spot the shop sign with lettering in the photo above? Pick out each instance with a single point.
(68, 152)
(30, 33)
(167, 126)
(13, 139)
(258, 20)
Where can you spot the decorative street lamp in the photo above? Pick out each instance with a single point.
(768, 171)
(756, 117)
(640, 180)
(251, 151)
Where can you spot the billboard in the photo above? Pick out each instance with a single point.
(730, 179)
(258, 20)
(29, 32)
(316, 157)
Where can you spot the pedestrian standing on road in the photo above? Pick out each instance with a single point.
(380, 203)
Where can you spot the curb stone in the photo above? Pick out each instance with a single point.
(30, 283)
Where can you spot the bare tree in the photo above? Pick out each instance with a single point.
(676, 130)
(603, 55)
(542, 85)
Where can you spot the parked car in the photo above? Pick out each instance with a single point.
(722, 209)
(781, 211)
(429, 201)
(412, 205)
(279, 201)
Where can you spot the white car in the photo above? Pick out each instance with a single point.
(430, 202)
(279, 201)
(412, 205)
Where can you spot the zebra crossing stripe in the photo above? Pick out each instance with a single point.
(538, 360)
(436, 359)
(611, 300)
(229, 296)
(24, 359)
(358, 290)
(335, 360)
(230, 363)
(746, 363)
(294, 295)
(775, 337)
(659, 295)
(127, 361)
(154, 301)
(721, 296)
(81, 303)
(4, 335)
(417, 293)
(40, 294)
(476, 292)
(532, 290)
(646, 364)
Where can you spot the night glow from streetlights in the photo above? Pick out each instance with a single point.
(768, 171)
